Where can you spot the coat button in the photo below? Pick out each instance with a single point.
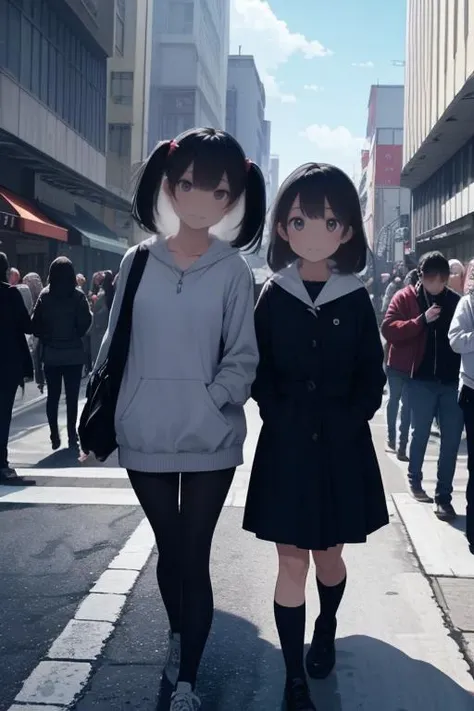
(311, 385)
(314, 344)
(314, 437)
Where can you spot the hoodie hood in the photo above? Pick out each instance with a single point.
(217, 251)
(338, 285)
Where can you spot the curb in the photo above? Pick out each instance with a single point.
(28, 405)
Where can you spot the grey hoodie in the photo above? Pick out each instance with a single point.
(193, 358)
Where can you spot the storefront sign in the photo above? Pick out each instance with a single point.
(8, 221)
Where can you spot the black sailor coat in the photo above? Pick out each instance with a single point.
(315, 478)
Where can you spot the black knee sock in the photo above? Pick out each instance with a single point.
(330, 598)
(290, 622)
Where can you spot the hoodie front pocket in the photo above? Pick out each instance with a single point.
(172, 416)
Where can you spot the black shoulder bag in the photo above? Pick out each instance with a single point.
(97, 423)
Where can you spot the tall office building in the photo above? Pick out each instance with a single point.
(385, 204)
(274, 179)
(265, 164)
(128, 98)
(53, 104)
(245, 118)
(438, 151)
(188, 66)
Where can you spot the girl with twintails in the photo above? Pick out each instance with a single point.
(180, 422)
(315, 482)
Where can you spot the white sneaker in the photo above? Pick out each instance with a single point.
(173, 658)
(184, 699)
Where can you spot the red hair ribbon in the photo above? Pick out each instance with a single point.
(173, 146)
(248, 163)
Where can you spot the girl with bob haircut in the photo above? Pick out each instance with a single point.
(315, 482)
(180, 422)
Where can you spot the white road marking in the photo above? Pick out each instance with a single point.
(55, 682)
(101, 607)
(116, 581)
(61, 677)
(100, 496)
(441, 548)
(67, 495)
(81, 640)
(75, 473)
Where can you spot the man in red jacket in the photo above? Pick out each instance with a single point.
(416, 326)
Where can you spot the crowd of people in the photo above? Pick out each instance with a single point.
(64, 324)
(428, 326)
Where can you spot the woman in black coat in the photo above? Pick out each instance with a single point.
(15, 360)
(60, 320)
(315, 482)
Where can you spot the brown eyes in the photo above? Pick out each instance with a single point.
(186, 186)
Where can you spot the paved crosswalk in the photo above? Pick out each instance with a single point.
(61, 479)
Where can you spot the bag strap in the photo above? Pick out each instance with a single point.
(120, 343)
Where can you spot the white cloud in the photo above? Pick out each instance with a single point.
(363, 65)
(255, 29)
(335, 145)
(313, 87)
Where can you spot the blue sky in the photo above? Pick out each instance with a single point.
(305, 52)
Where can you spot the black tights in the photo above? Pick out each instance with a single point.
(183, 523)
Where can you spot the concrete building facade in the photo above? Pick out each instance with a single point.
(53, 103)
(274, 179)
(128, 91)
(246, 109)
(385, 204)
(438, 153)
(188, 66)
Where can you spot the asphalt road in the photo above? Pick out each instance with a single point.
(82, 625)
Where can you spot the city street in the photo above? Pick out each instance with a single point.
(82, 624)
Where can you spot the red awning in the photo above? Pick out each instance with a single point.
(30, 220)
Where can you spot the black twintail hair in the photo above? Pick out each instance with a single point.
(212, 153)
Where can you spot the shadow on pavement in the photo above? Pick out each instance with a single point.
(459, 523)
(61, 459)
(373, 675)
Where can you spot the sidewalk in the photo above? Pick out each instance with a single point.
(29, 398)
(441, 548)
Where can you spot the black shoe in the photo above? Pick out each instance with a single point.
(8, 474)
(297, 697)
(402, 456)
(55, 442)
(420, 495)
(321, 657)
(391, 445)
(445, 511)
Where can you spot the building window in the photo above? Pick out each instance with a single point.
(456, 26)
(92, 7)
(120, 139)
(180, 18)
(13, 40)
(121, 87)
(119, 34)
(44, 55)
